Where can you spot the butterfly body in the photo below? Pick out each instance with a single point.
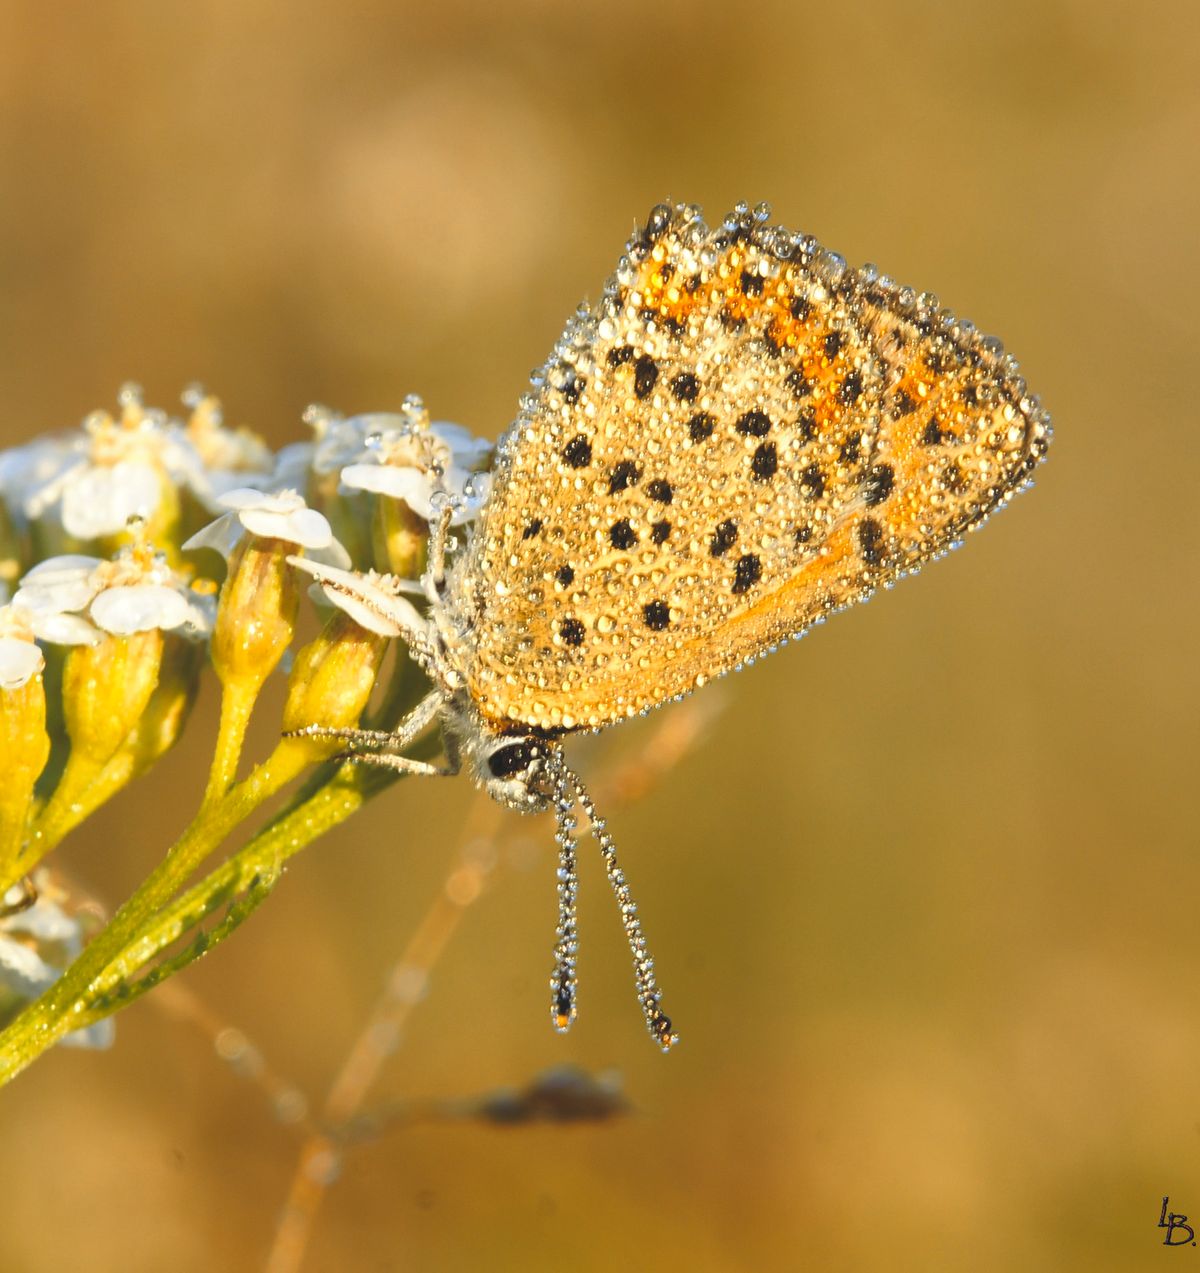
(742, 437)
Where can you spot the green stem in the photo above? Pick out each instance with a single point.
(61, 1008)
(62, 810)
(260, 859)
(237, 702)
(113, 993)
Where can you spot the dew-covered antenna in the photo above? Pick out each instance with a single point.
(567, 788)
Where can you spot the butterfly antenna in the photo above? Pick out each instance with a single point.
(566, 948)
(649, 995)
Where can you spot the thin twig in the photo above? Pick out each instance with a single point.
(287, 1101)
(406, 984)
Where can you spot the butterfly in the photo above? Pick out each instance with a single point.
(740, 438)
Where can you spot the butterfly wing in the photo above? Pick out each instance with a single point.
(742, 437)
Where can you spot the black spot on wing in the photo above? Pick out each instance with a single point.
(656, 615)
(622, 535)
(571, 631)
(624, 475)
(755, 424)
(851, 389)
(935, 435)
(645, 376)
(746, 573)
(723, 538)
(572, 386)
(812, 482)
(870, 541)
(764, 462)
(578, 452)
(880, 480)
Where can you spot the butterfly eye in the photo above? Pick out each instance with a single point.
(512, 759)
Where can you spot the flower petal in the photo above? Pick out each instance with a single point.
(66, 629)
(292, 464)
(57, 591)
(409, 484)
(372, 604)
(242, 497)
(221, 535)
(101, 500)
(334, 555)
(467, 447)
(48, 922)
(303, 526)
(138, 608)
(23, 970)
(68, 564)
(19, 662)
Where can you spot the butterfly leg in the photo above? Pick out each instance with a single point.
(367, 743)
(435, 568)
(434, 579)
(405, 764)
(401, 764)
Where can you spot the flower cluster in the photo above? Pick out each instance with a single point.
(111, 608)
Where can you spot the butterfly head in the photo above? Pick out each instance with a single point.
(516, 769)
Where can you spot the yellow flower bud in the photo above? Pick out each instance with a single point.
(332, 678)
(256, 615)
(24, 750)
(167, 711)
(105, 691)
(401, 538)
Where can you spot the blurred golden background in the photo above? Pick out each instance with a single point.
(924, 897)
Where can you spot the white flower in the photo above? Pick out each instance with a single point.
(417, 465)
(26, 469)
(73, 600)
(371, 600)
(403, 455)
(36, 944)
(93, 482)
(283, 516)
(20, 658)
(292, 465)
(230, 458)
